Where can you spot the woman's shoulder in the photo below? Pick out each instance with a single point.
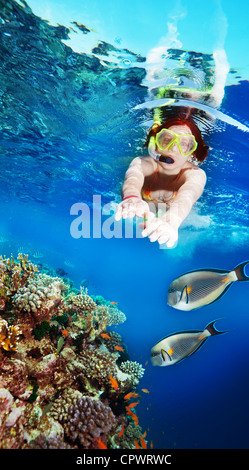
(193, 172)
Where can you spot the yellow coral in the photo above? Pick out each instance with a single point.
(9, 336)
(14, 275)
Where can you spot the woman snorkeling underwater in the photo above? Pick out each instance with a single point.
(163, 186)
(167, 178)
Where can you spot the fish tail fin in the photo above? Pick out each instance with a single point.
(240, 271)
(212, 329)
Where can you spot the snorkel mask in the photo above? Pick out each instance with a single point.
(166, 139)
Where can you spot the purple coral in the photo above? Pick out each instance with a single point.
(87, 420)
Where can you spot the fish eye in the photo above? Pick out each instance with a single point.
(153, 353)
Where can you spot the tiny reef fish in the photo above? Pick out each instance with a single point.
(132, 405)
(105, 336)
(131, 395)
(101, 444)
(133, 415)
(118, 348)
(174, 348)
(145, 390)
(201, 287)
(113, 382)
(143, 443)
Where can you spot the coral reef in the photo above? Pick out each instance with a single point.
(63, 375)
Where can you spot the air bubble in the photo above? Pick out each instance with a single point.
(127, 62)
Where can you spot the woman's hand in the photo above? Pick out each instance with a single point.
(157, 229)
(132, 207)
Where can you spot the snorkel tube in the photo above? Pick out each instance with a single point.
(152, 142)
(157, 117)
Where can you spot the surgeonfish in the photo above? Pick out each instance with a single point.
(203, 286)
(174, 348)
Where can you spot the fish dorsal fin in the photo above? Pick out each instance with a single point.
(184, 295)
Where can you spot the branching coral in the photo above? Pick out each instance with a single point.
(116, 317)
(133, 368)
(14, 275)
(9, 336)
(87, 420)
(84, 419)
(82, 302)
(100, 322)
(40, 296)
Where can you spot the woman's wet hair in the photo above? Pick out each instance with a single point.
(202, 149)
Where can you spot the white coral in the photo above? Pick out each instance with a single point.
(133, 368)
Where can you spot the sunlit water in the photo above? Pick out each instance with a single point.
(71, 122)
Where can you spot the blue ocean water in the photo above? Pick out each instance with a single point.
(69, 129)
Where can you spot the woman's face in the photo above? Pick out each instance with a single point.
(175, 159)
